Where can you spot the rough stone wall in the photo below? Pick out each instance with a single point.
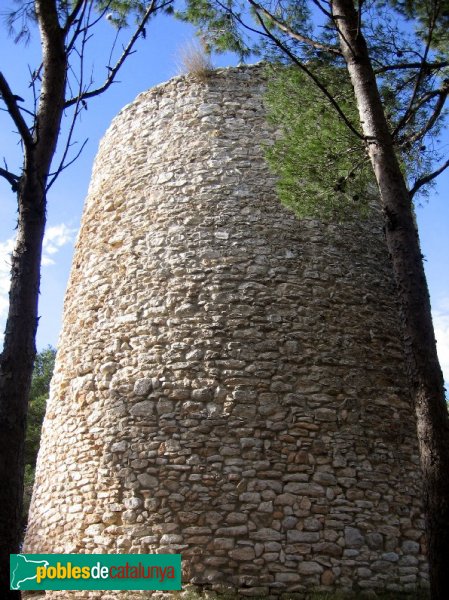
(230, 381)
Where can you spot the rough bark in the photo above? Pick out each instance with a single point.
(16, 361)
(425, 375)
(16, 368)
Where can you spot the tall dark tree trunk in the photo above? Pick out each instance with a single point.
(424, 372)
(17, 358)
(16, 368)
(58, 43)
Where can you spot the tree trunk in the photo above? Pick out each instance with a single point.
(426, 379)
(39, 143)
(16, 366)
(16, 361)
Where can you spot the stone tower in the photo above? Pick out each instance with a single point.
(230, 381)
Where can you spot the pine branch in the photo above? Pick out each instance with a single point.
(427, 179)
(77, 30)
(293, 34)
(239, 19)
(14, 112)
(73, 16)
(412, 65)
(430, 121)
(441, 93)
(421, 74)
(12, 179)
(312, 76)
(322, 9)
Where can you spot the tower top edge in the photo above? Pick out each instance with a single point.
(213, 75)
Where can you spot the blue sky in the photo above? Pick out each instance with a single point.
(156, 60)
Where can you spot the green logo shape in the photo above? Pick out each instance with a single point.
(95, 571)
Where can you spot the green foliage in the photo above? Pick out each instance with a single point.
(44, 365)
(324, 171)
(218, 28)
(399, 34)
(118, 13)
(34, 423)
(40, 386)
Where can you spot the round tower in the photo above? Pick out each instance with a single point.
(230, 381)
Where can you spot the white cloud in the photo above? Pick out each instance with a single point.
(55, 238)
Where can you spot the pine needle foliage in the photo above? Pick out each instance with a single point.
(322, 167)
(40, 386)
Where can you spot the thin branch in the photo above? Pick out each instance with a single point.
(77, 31)
(69, 83)
(430, 121)
(33, 76)
(322, 9)
(313, 77)
(241, 21)
(72, 16)
(28, 112)
(12, 179)
(427, 179)
(421, 75)
(63, 166)
(113, 45)
(14, 111)
(100, 16)
(36, 75)
(441, 92)
(90, 23)
(126, 52)
(84, 18)
(297, 36)
(412, 65)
